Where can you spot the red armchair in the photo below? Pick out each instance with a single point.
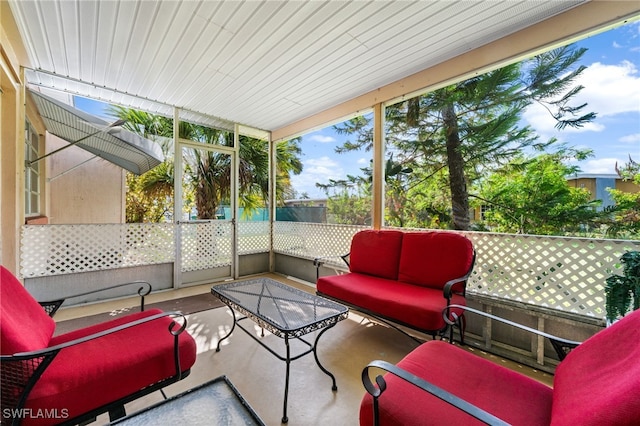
(73, 377)
(597, 383)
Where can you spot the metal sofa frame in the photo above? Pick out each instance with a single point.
(21, 371)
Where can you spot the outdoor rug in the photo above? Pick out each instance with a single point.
(186, 305)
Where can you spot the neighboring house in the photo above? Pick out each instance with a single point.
(313, 210)
(78, 162)
(84, 189)
(306, 202)
(598, 185)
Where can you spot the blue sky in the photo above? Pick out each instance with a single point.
(612, 90)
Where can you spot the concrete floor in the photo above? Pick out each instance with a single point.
(344, 350)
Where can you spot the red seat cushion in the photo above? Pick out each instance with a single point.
(88, 375)
(25, 325)
(513, 397)
(376, 253)
(420, 307)
(432, 258)
(598, 383)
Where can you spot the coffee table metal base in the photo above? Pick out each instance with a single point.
(287, 358)
(287, 312)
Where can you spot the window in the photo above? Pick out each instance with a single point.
(32, 171)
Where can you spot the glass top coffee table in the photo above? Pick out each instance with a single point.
(215, 402)
(286, 312)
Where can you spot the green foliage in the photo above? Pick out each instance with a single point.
(207, 180)
(624, 219)
(623, 291)
(550, 85)
(533, 196)
(149, 197)
(349, 207)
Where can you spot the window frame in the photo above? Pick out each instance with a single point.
(33, 172)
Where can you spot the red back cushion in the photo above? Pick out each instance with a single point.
(598, 383)
(376, 253)
(24, 325)
(431, 259)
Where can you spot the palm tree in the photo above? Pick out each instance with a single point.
(208, 173)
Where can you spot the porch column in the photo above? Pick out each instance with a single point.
(272, 199)
(12, 166)
(235, 178)
(177, 200)
(377, 213)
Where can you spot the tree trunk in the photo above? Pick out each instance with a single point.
(457, 181)
(206, 204)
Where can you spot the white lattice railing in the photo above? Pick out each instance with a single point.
(206, 245)
(66, 249)
(311, 240)
(561, 273)
(254, 237)
(556, 272)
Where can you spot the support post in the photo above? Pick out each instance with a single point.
(177, 200)
(377, 213)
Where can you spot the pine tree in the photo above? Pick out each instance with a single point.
(473, 126)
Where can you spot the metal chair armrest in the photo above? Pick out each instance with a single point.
(52, 306)
(561, 346)
(56, 348)
(319, 261)
(449, 398)
(447, 290)
(21, 371)
(448, 287)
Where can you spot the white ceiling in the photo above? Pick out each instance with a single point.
(264, 64)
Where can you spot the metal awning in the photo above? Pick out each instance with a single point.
(106, 140)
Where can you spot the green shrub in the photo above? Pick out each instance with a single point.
(623, 291)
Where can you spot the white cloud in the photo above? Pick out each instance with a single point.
(633, 138)
(608, 90)
(600, 166)
(540, 119)
(323, 165)
(316, 137)
(364, 161)
(633, 33)
(316, 170)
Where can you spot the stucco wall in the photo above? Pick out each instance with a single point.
(93, 192)
(627, 186)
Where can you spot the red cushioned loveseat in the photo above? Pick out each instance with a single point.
(596, 384)
(73, 377)
(404, 277)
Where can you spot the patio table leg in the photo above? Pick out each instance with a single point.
(285, 419)
(233, 326)
(315, 354)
